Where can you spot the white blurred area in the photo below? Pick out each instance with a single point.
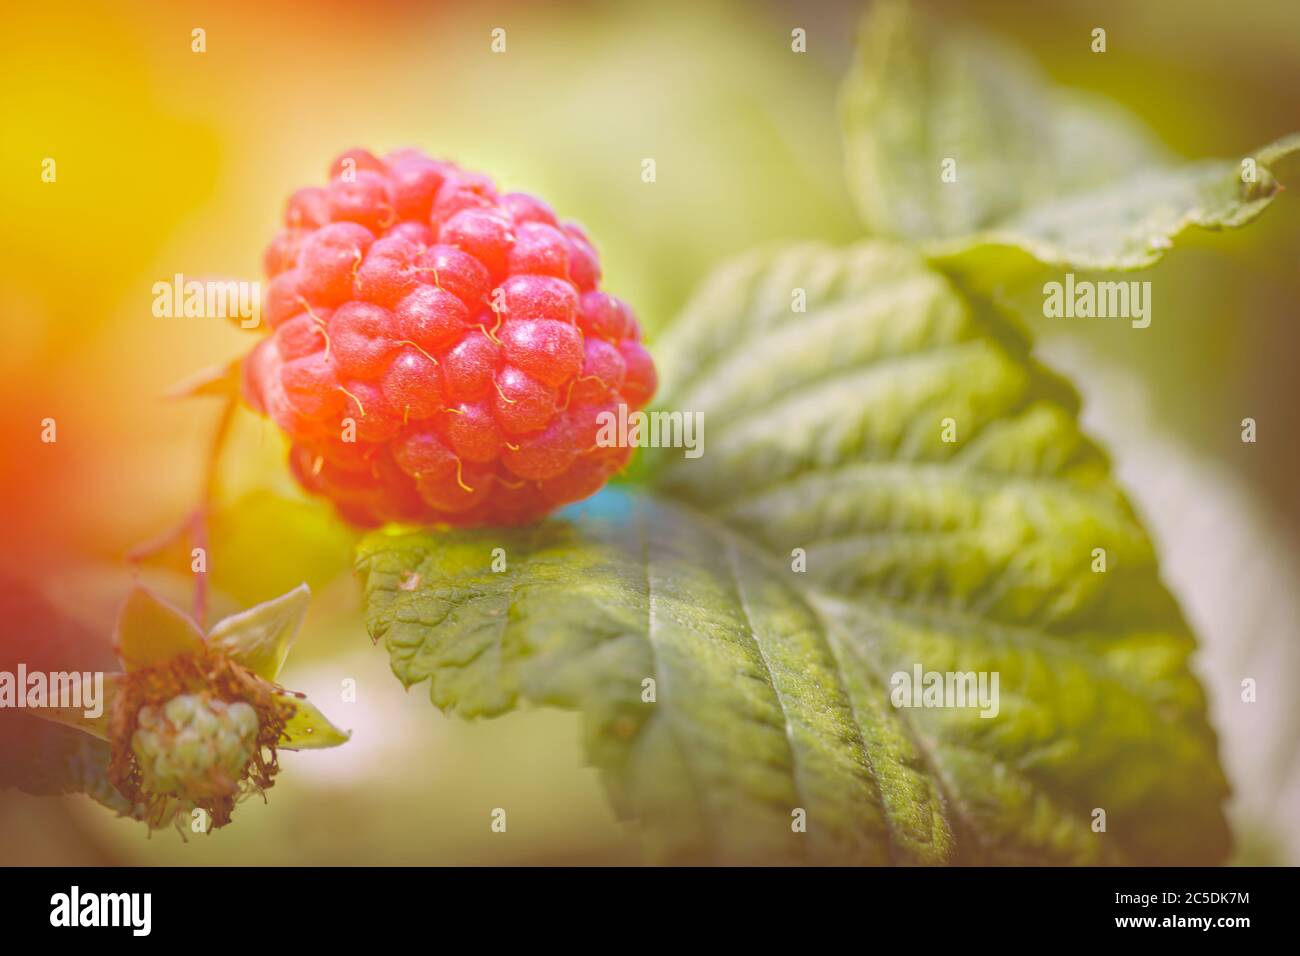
(386, 724)
(1236, 578)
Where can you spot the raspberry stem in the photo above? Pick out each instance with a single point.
(211, 471)
(195, 523)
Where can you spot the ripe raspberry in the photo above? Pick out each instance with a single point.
(440, 351)
(194, 746)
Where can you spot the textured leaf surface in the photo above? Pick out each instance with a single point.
(1043, 175)
(772, 685)
(749, 720)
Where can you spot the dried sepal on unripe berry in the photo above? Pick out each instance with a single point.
(196, 730)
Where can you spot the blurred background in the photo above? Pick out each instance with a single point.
(173, 161)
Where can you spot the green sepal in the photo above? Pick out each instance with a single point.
(149, 631)
(260, 637)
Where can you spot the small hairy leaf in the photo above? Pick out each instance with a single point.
(772, 679)
(1043, 175)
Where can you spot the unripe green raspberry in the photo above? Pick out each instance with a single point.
(194, 746)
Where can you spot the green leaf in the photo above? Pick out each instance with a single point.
(919, 92)
(260, 637)
(1043, 175)
(312, 544)
(773, 683)
(750, 720)
(1127, 225)
(41, 757)
(49, 759)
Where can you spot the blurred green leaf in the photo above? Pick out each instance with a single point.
(772, 682)
(41, 757)
(312, 546)
(1044, 175)
(1124, 226)
(919, 93)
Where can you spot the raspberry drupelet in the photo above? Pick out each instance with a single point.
(440, 352)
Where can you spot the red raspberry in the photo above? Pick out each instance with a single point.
(441, 351)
